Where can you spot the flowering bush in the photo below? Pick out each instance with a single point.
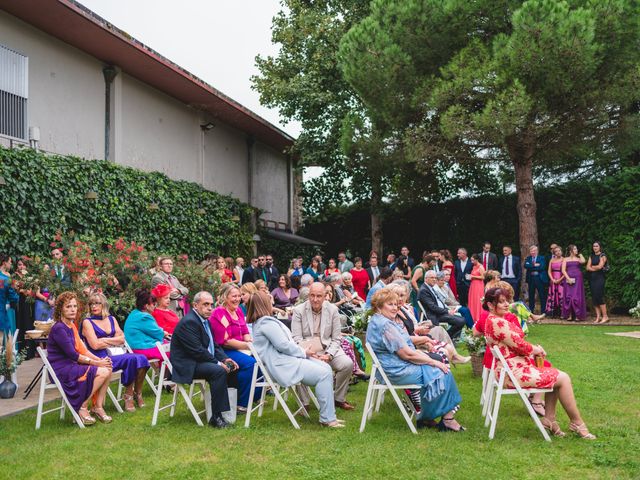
(9, 359)
(475, 345)
(635, 311)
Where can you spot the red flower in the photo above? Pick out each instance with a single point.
(77, 243)
(53, 244)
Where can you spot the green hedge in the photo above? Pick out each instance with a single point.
(604, 209)
(46, 193)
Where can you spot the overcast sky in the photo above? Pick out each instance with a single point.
(214, 39)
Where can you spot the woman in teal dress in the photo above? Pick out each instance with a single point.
(403, 364)
(7, 295)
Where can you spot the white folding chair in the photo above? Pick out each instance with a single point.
(262, 378)
(484, 392)
(423, 312)
(45, 385)
(14, 375)
(187, 396)
(496, 390)
(150, 377)
(376, 390)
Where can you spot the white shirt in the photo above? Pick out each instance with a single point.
(437, 295)
(463, 264)
(508, 261)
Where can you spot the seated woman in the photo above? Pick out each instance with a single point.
(231, 333)
(81, 374)
(141, 330)
(261, 286)
(166, 318)
(404, 364)
(246, 290)
(314, 269)
(101, 331)
(284, 296)
(520, 354)
(287, 362)
(332, 268)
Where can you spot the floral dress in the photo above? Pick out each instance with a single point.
(517, 352)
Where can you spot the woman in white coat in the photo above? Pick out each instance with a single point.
(287, 362)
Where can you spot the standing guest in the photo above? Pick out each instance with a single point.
(391, 261)
(239, 270)
(57, 265)
(316, 324)
(332, 268)
(511, 271)
(249, 275)
(81, 375)
(231, 266)
(574, 305)
(417, 278)
(438, 263)
(290, 364)
(296, 270)
(100, 331)
(489, 259)
(405, 252)
(556, 283)
(231, 332)
(476, 288)
(272, 272)
(223, 271)
(384, 279)
(246, 290)
(597, 266)
(194, 355)
(262, 272)
(442, 287)
(7, 294)
(344, 264)
(403, 267)
(359, 278)
(178, 291)
(436, 308)
(373, 271)
(520, 354)
(462, 270)
(314, 269)
(406, 365)
(164, 316)
(24, 310)
(141, 330)
(552, 248)
(537, 279)
(447, 265)
(284, 296)
(321, 264)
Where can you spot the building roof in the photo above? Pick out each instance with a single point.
(78, 26)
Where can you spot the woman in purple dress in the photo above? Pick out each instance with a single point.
(556, 283)
(100, 332)
(574, 306)
(81, 375)
(284, 296)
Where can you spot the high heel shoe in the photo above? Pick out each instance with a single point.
(128, 403)
(86, 418)
(552, 427)
(139, 399)
(102, 416)
(443, 427)
(582, 431)
(538, 408)
(460, 360)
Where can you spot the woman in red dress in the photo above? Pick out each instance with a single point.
(476, 289)
(447, 263)
(359, 278)
(332, 268)
(166, 318)
(226, 275)
(520, 354)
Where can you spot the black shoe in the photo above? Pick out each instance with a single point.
(217, 421)
(426, 424)
(363, 376)
(442, 426)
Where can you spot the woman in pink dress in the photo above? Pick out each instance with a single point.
(359, 278)
(556, 283)
(476, 289)
(519, 355)
(447, 262)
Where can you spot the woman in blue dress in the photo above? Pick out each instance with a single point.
(7, 295)
(403, 364)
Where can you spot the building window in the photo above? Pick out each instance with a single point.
(14, 92)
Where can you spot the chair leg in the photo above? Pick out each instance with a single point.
(254, 379)
(533, 415)
(114, 400)
(406, 416)
(174, 402)
(192, 409)
(483, 393)
(367, 403)
(380, 400)
(282, 402)
(496, 406)
(43, 387)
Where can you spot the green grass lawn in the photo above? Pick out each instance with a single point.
(605, 374)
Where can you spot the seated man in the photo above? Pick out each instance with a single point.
(436, 309)
(316, 324)
(195, 355)
(446, 295)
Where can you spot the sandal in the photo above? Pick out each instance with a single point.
(552, 427)
(128, 403)
(538, 408)
(334, 424)
(139, 399)
(103, 417)
(87, 419)
(443, 427)
(582, 431)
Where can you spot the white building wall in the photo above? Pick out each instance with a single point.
(66, 90)
(226, 168)
(270, 185)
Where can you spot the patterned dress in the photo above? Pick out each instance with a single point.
(517, 352)
(556, 290)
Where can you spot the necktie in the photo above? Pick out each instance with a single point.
(264, 275)
(211, 347)
(484, 261)
(506, 267)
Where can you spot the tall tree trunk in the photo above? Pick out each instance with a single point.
(376, 221)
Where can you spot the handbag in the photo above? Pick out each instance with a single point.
(113, 351)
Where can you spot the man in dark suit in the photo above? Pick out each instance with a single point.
(373, 270)
(195, 355)
(488, 259)
(462, 271)
(62, 274)
(405, 251)
(511, 270)
(249, 274)
(537, 278)
(436, 309)
(272, 273)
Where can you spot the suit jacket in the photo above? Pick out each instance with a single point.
(63, 274)
(163, 278)
(272, 277)
(492, 261)
(330, 328)
(372, 278)
(460, 275)
(345, 266)
(190, 346)
(517, 267)
(283, 358)
(428, 300)
(411, 262)
(541, 269)
(249, 275)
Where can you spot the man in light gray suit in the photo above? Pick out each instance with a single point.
(178, 293)
(316, 324)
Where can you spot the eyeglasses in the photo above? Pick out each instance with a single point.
(91, 304)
